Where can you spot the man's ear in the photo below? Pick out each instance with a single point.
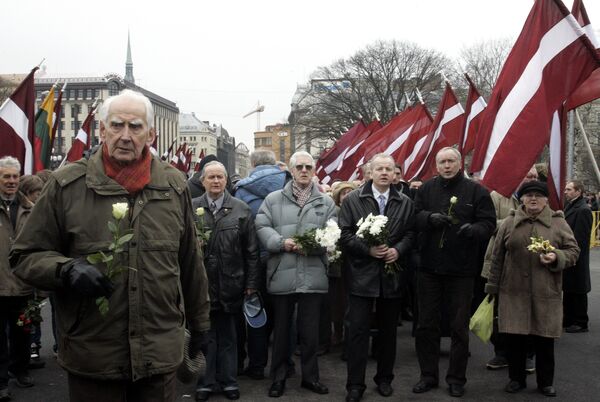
(151, 136)
(102, 131)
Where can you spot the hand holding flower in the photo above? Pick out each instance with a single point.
(378, 251)
(391, 255)
(548, 258)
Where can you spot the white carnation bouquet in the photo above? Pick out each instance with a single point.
(327, 237)
(374, 232)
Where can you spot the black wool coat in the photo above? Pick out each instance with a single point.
(459, 255)
(579, 217)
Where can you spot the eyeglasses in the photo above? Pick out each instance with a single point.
(302, 167)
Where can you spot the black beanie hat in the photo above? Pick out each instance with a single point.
(534, 185)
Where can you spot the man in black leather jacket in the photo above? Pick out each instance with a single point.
(368, 281)
(231, 262)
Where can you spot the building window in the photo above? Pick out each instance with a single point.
(62, 125)
(80, 94)
(88, 94)
(62, 110)
(113, 88)
(96, 93)
(72, 93)
(74, 111)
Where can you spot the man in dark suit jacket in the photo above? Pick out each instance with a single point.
(576, 280)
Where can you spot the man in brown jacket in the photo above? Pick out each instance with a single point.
(14, 294)
(133, 351)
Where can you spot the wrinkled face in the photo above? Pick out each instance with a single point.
(534, 202)
(447, 164)
(9, 181)
(382, 172)
(214, 181)
(571, 193)
(126, 132)
(303, 172)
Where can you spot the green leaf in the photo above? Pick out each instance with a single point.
(102, 303)
(124, 239)
(112, 227)
(105, 257)
(96, 258)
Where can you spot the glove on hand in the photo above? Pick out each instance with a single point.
(198, 343)
(86, 279)
(438, 220)
(465, 230)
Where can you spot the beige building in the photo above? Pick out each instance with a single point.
(242, 160)
(276, 138)
(198, 134)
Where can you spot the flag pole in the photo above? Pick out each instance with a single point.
(419, 97)
(41, 62)
(588, 147)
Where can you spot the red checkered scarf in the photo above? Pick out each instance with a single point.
(133, 177)
(301, 194)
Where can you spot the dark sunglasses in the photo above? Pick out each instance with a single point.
(307, 167)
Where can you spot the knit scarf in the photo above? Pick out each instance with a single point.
(302, 194)
(133, 177)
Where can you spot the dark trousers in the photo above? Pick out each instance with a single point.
(498, 339)
(575, 307)
(14, 340)
(457, 292)
(359, 314)
(221, 354)
(544, 358)
(158, 388)
(325, 321)
(309, 306)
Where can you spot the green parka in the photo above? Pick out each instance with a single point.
(143, 332)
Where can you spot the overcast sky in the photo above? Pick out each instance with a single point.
(218, 58)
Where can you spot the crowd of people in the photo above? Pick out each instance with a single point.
(132, 254)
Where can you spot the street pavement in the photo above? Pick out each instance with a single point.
(577, 375)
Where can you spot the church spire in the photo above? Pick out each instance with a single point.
(129, 63)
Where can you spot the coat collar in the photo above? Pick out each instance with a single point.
(573, 205)
(367, 191)
(545, 217)
(97, 179)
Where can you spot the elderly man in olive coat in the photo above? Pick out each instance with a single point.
(133, 350)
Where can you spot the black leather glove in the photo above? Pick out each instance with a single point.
(86, 279)
(438, 220)
(465, 230)
(198, 343)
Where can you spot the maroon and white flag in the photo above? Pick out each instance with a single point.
(550, 59)
(329, 162)
(590, 89)
(83, 140)
(474, 115)
(17, 115)
(356, 155)
(445, 131)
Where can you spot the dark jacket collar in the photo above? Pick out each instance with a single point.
(367, 191)
(451, 182)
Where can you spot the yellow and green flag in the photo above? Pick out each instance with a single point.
(43, 133)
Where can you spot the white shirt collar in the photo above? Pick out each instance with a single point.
(376, 193)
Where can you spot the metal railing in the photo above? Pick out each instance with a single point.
(595, 236)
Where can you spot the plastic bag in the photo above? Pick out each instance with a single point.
(482, 322)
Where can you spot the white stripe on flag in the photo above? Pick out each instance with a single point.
(326, 180)
(589, 31)
(12, 114)
(555, 152)
(552, 43)
(410, 159)
(393, 147)
(353, 149)
(476, 108)
(333, 165)
(449, 115)
(81, 136)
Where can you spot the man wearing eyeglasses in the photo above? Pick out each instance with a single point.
(294, 277)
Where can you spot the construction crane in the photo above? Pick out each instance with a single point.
(258, 110)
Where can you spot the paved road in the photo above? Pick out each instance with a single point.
(577, 371)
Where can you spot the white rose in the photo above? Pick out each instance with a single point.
(119, 210)
(200, 211)
(453, 200)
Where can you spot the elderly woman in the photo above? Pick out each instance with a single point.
(528, 285)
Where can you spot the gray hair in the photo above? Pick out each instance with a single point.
(366, 167)
(212, 163)
(9, 162)
(262, 157)
(381, 156)
(300, 153)
(132, 96)
(458, 155)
